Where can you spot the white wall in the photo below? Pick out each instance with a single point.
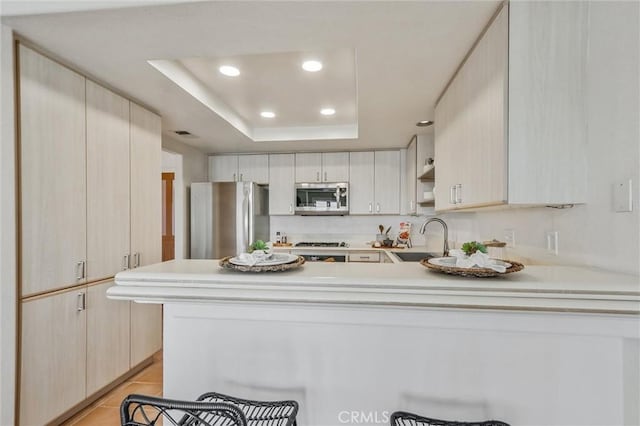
(7, 230)
(590, 234)
(194, 169)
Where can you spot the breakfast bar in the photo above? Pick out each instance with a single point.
(354, 342)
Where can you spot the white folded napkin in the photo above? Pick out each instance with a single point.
(255, 257)
(476, 259)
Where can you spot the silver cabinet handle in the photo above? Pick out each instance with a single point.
(81, 302)
(234, 177)
(290, 208)
(325, 176)
(378, 207)
(458, 193)
(125, 262)
(370, 208)
(410, 206)
(318, 176)
(80, 270)
(136, 260)
(241, 177)
(452, 197)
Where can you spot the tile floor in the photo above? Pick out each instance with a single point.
(106, 411)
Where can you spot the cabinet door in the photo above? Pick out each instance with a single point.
(335, 167)
(52, 174)
(548, 105)
(146, 225)
(146, 331)
(411, 177)
(108, 337)
(281, 184)
(253, 168)
(223, 168)
(53, 356)
(446, 140)
(107, 182)
(387, 182)
(482, 165)
(309, 167)
(361, 182)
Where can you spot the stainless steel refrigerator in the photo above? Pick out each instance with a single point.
(226, 217)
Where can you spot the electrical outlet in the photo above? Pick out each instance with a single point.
(510, 237)
(552, 242)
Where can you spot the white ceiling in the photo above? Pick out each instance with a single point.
(275, 82)
(406, 52)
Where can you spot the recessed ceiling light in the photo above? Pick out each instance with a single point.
(312, 66)
(229, 71)
(268, 114)
(424, 123)
(327, 111)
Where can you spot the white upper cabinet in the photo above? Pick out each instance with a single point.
(374, 182)
(107, 182)
(322, 167)
(361, 182)
(253, 168)
(223, 168)
(411, 178)
(309, 167)
(335, 167)
(387, 182)
(281, 184)
(146, 187)
(52, 174)
(510, 127)
(239, 168)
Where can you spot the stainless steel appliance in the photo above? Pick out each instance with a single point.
(226, 217)
(314, 199)
(321, 244)
(322, 256)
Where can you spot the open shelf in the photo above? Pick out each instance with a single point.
(428, 176)
(427, 203)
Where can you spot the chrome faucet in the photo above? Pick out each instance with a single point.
(445, 249)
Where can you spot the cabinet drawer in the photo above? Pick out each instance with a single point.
(364, 257)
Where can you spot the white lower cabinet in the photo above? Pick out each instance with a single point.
(146, 331)
(108, 334)
(367, 256)
(53, 356)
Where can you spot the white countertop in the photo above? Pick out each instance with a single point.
(536, 288)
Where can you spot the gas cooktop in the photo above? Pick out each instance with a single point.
(321, 244)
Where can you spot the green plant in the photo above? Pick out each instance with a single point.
(473, 246)
(258, 245)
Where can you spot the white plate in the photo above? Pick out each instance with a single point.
(450, 262)
(275, 259)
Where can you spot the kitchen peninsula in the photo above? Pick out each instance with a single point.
(548, 345)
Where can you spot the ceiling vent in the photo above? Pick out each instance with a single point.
(184, 134)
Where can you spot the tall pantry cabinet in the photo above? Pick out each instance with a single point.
(89, 207)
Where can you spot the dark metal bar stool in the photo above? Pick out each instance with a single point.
(402, 418)
(259, 413)
(141, 410)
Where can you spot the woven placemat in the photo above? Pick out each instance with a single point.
(473, 272)
(224, 263)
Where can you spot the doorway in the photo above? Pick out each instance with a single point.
(168, 222)
(173, 206)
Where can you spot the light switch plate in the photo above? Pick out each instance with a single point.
(623, 196)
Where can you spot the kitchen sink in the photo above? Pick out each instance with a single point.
(414, 256)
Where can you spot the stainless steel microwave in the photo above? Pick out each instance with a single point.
(315, 199)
